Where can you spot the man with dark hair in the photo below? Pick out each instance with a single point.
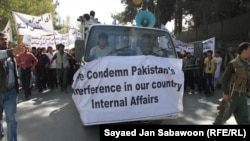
(231, 54)
(33, 51)
(92, 17)
(146, 46)
(9, 86)
(218, 69)
(41, 66)
(85, 24)
(86, 18)
(62, 66)
(52, 75)
(235, 86)
(210, 65)
(188, 62)
(102, 48)
(27, 62)
(92, 14)
(33, 77)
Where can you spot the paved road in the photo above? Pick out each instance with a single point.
(52, 116)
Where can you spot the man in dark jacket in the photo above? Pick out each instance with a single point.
(41, 66)
(9, 85)
(236, 79)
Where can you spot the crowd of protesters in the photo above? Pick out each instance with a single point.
(202, 74)
(48, 68)
(45, 68)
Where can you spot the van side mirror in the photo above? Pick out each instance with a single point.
(79, 49)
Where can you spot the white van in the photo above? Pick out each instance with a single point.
(129, 74)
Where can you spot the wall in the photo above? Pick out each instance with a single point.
(227, 33)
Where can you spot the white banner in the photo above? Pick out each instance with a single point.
(46, 41)
(119, 89)
(209, 44)
(8, 31)
(73, 35)
(179, 45)
(64, 39)
(33, 25)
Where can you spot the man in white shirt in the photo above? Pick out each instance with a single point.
(52, 79)
(92, 17)
(101, 49)
(9, 86)
(218, 68)
(147, 46)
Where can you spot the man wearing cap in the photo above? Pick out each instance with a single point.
(236, 80)
(8, 87)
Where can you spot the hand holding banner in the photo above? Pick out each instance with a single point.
(33, 25)
(8, 31)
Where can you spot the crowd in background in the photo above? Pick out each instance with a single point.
(202, 74)
(43, 72)
(44, 68)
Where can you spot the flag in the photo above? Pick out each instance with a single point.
(33, 25)
(74, 34)
(179, 45)
(8, 31)
(163, 27)
(209, 44)
(27, 39)
(45, 41)
(114, 21)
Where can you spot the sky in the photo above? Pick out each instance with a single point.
(102, 8)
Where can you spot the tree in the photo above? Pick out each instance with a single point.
(163, 10)
(210, 11)
(202, 11)
(128, 15)
(30, 7)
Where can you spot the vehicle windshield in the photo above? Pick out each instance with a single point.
(128, 41)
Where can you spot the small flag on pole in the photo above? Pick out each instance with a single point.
(114, 21)
(8, 31)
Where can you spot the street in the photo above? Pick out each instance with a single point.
(52, 116)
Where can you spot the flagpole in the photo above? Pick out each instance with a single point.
(19, 38)
(54, 38)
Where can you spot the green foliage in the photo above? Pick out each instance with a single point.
(29, 7)
(163, 10)
(166, 9)
(202, 11)
(128, 15)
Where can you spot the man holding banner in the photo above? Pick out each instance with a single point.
(9, 86)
